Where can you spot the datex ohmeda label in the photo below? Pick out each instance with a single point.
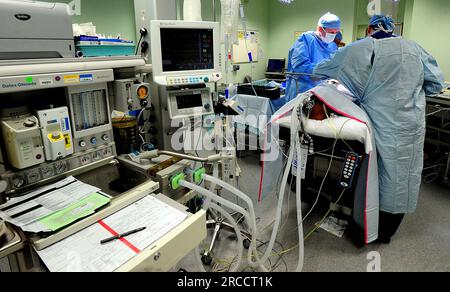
(18, 85)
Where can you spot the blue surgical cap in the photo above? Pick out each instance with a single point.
(386, 21)
(339, 36)
(330, 21)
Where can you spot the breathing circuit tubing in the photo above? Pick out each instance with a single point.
(253, 258)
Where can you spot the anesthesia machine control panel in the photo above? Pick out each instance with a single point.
(54, 124)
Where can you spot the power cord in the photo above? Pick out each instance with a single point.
(324, 217)
(326, 175)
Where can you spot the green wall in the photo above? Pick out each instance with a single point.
(429, 26)
(303, 15)
(425, 21)
(409, 6)
(112, 17)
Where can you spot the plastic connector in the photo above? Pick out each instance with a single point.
(198, 175)
(144, 47)
(143, 32)
(175, 181)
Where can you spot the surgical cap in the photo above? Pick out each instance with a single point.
(386, 21)
(339, 36)
(330, 21)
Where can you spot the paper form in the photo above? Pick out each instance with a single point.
(75, 212)
(40, 191)
(158, 217)
(83, 252)
(45, 201)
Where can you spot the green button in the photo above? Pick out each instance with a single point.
(29, 80)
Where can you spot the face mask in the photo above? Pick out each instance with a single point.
(329, 38)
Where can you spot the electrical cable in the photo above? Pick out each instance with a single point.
(333, 127)
(325, 217)
(326, 175)
(434, 166)
(323, 183)
(139, 44)
(438, 111)
(141, 131)
(200, 138)
(317, 227)
(436, 172)
(227, 263)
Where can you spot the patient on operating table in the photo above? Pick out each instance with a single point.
(318, 112)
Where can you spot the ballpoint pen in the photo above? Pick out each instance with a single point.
(117, 237)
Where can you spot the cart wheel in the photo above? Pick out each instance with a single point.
(247, 243)
(207, 259)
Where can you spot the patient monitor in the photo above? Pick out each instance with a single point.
(185, 53)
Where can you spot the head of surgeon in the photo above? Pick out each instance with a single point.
(328, 27)
(381, 26)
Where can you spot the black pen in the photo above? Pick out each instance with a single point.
(122, 235)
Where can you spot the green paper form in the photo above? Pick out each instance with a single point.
(77, 211)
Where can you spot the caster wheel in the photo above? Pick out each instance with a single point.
(207, 259)
(247, 243)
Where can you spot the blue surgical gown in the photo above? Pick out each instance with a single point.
(308, 51)
(390, 78)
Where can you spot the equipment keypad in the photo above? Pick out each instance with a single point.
(350, 165)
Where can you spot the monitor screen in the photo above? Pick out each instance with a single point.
(189, 101)
(276, 65)
(187, 49)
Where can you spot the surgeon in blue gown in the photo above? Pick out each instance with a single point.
(308, 51)
(390, 77)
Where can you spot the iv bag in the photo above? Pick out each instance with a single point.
(192, 10)
(230, 21)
